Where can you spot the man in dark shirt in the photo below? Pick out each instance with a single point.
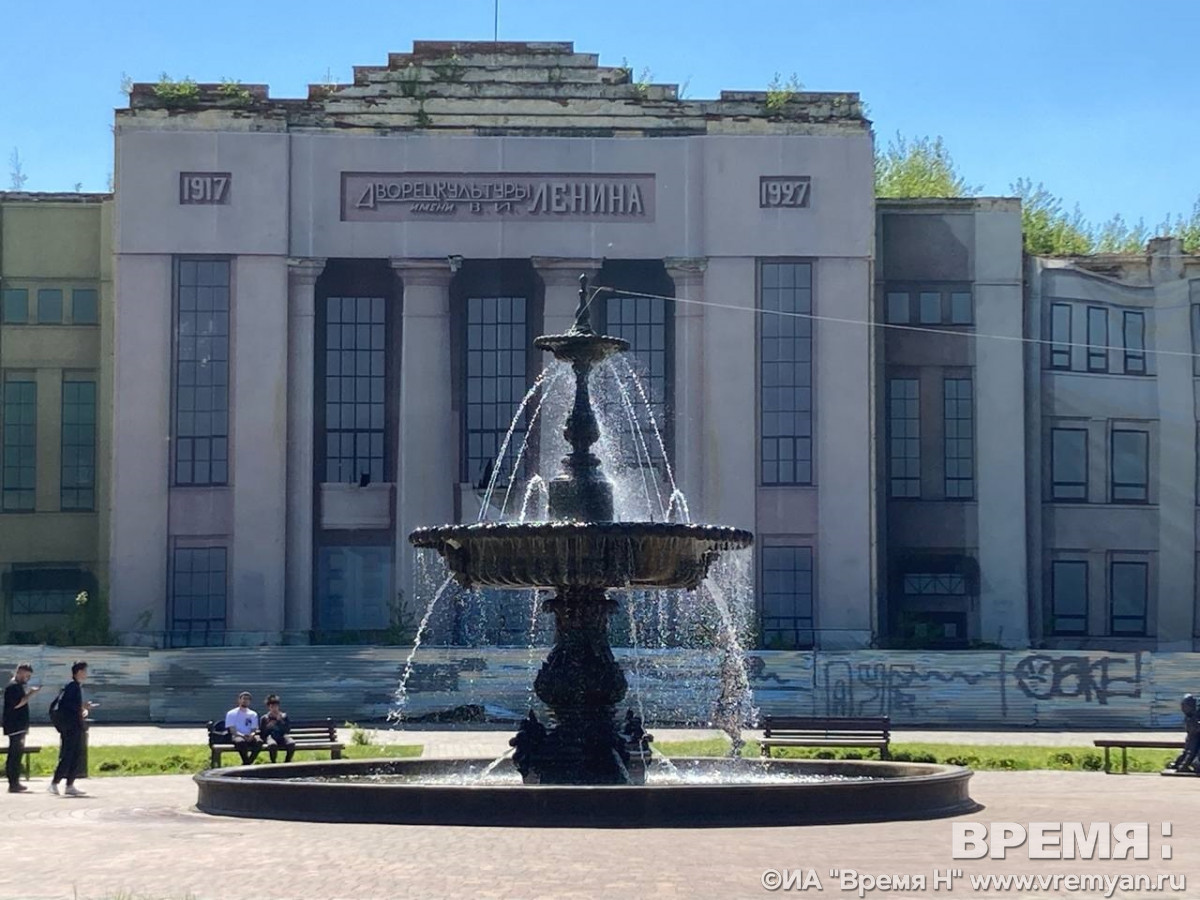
(72, 712)
(16, 723)
(274, 727)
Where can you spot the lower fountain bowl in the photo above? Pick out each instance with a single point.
(684, 793)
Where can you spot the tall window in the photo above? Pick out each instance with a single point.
(1127, 592)
(960, 439)
(355, 382)
(202, 371)
(1134, 329)
(20, 442)
(1097, 338)
(785, 359)
(78, 489)
(1196, 338)
(496, 382)
(1068, 597)
(198, 594)
(1068, 464)
(787, 598)
(1130, 466)
(1060, 335)
(644, 322)
(904, 437)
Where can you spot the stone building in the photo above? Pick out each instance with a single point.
(55, 406)
(324, 309)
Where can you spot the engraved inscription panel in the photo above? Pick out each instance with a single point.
(470, 197)
(204, 188)
(784, 191)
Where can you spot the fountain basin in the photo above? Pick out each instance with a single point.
(580, 554)
(711, 794)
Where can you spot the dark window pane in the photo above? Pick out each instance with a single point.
(787, 598)
(962, 311)
(1130, 466)
(1068, 597)
(1134, 332)
(785, 373)
(1097, 338)
(959, 439)
(1068, 463)
(495, 383)
(16, 306)
(353, 588)
(897, 308)
(78, 445)
(1128, 590)
(198, 595)
(20, 443)
(50, 306)
(355, 387)
(85, 306)
(904, 437)
(201, 414)
(1060, 334)
(931, 308)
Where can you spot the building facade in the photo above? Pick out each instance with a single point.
(55, 407)
(325, 307)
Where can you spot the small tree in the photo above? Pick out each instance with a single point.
(921, 167)
(1047, 229)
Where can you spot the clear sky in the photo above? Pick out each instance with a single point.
(1099, 99)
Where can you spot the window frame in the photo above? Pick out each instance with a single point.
(1060, 350)
(1144, 618)
(1135, 359)
(1054, 615)
(909, 479)
(1055, 483)
(48, 294)
(24, 497)
(809, 550)
(1114, 484)
(802, 460)
(174, 631)
(5, 295)
(1097, 360)
(947, 440)
(74, 486)
(376, 436)
(215, 436)
(75, 297)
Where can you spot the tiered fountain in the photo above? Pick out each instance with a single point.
(581, 768)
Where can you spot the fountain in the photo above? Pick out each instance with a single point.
(583, 767)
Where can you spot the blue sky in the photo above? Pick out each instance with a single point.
(1096, 98)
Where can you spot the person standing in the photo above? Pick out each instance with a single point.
(16, 723)
(242, 724)
(71, 722)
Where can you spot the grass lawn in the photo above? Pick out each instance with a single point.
(1015, 757)
(173, 759)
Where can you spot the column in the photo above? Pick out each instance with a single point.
(298, 606)
(561, 279)
(428, 446)
(687, 380)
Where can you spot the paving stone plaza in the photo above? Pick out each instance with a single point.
(142, 838)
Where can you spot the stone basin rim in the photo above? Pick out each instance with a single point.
(726, 536)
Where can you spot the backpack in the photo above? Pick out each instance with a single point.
(56, 715)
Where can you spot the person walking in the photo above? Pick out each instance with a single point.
(16, 723)
(71, 719)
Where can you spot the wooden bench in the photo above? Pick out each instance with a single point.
(309, 736)
(814, 731)
(26, 761)
(1109, 743)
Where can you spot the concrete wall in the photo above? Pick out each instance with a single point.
(987, 689)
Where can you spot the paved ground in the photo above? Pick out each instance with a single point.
(140, 837)
(460, 742)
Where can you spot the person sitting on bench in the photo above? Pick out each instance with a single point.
(1187, 760)
(242, 724)
(274, 728)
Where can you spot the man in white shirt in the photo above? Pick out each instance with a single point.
(242, 724)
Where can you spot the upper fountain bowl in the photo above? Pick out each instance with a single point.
(580, 554)
(581, 346)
